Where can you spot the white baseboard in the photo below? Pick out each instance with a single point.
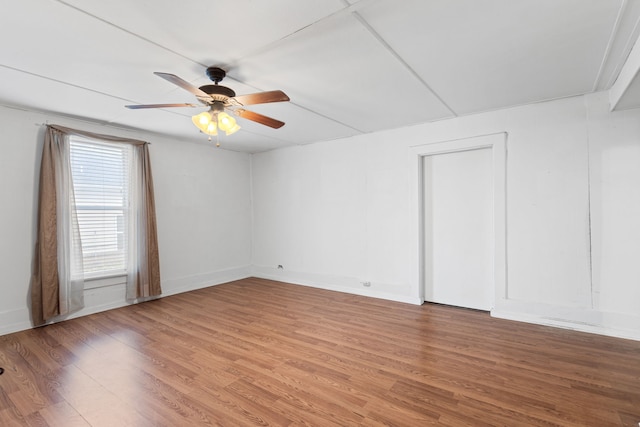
(111, 297)
(14, 321)
(619, 325)
(347, 285)
(191, 283)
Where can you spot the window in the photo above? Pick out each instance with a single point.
(96, 220)
(100, 173)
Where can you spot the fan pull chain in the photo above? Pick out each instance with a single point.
(217, 140)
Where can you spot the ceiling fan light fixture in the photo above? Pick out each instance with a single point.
(226, 122)
(212, 128)
(218, 98)
(234, 129)
(204, 121)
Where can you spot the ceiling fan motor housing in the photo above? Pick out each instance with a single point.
(218, 90)
(216, 74)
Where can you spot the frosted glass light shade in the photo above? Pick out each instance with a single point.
(205, 122)
(210, 121)
(234, 129)
(225, 121)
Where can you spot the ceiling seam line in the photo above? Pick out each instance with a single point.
(607, 52)
(349, 8)
(130, 32)
(177, 53)
(138, 36)
(327, 117)
(62, 82)
(396, 55)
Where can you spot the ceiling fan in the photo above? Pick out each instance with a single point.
(220, 98)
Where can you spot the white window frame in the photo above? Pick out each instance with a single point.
(106, 277)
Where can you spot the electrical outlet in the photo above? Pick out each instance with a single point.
(366, 284)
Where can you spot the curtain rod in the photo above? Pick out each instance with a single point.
(47, 124)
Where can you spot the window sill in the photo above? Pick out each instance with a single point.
(102, 282)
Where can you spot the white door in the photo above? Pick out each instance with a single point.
(458, 228)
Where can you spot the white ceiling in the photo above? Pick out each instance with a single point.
(349, 67)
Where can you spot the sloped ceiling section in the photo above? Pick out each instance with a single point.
(625, 91)
(349, 67)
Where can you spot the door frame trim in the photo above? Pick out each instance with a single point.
(497, 142)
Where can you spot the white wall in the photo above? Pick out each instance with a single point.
(203, 202)
(340, 213)
(335, 215)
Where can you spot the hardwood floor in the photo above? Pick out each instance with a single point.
(258, 352)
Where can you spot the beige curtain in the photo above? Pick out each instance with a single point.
(51, 296)
(143, 272)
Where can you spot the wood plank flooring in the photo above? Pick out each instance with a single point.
(258, 352)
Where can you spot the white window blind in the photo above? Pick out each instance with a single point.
(100, 173)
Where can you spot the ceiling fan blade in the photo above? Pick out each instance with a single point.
(259, 118)
(172, 78)
(262, 97)
(137, 107)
